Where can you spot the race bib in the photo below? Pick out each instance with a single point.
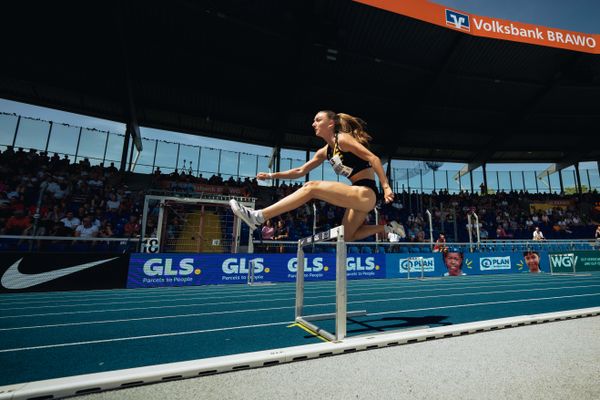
(339, 168)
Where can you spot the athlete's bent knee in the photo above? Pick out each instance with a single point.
(311, 186)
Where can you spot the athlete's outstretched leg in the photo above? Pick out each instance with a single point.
(338, 194)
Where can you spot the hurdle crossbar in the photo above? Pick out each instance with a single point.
(341, 313)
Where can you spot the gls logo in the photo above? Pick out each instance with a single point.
(457, 20)
(164, 267)
(355, 264)
(242, 266)
(316, 265)
(563, 260)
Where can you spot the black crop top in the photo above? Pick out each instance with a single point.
(345, 163)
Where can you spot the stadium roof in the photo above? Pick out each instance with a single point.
(257, 72)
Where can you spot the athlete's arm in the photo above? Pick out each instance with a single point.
(294, 173)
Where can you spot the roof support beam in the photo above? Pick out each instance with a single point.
(557, 167)
(132, 124)
(467, 169)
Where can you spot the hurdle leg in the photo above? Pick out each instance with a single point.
(340, 288)
(300, 282)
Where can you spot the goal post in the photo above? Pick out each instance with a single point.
(203, 224)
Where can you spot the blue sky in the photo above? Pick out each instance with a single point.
(574, 15)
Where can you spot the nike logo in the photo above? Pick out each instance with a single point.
(14, 279)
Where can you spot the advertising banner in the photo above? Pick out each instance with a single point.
(575, 261)
(490, 27)
(44, 272)
(543, 206)
(462, 263)
(161, 270)
(201, 187)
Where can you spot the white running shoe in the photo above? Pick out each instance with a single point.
(244, 213)
(397, 228)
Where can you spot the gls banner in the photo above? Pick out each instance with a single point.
(25, 272)
(156, 270)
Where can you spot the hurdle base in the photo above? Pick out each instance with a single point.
(314, 328)
(305, 322)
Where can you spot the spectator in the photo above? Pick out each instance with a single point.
(58, 229)
(113, 203)
(70, 221)
(17, 223)
(132, 228)
(86, 229)
(440, 244)
(268, 231)
(537, 234)
(105, 230)
(394, 238)
(281, 233)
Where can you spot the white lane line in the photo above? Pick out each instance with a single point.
(115, 321)
(125, 294)
(276, 323)
(383, 294)
(486, 304)
(287, 307)
(50, 346)
(262, 296)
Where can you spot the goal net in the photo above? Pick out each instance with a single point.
(193, 225)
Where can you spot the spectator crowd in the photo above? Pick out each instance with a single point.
(46, 195)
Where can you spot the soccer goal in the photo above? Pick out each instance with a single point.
(193, 225)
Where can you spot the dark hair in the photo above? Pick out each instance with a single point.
(527, 252)
(453, 250)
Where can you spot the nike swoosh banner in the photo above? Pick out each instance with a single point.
(490, 27)
(45, 272)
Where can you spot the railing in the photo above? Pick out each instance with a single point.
(485, 246)
(67, 244)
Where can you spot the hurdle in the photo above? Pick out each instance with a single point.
(341, 313)
(411, 261)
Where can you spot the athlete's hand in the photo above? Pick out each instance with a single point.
(261, 176)
(388, 195)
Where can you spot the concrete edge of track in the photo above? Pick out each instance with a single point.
(98, 382)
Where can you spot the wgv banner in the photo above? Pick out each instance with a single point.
(575, 261)
(159, 270)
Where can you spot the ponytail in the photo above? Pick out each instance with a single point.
(353, 126)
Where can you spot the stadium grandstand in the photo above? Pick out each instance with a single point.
(123, 264)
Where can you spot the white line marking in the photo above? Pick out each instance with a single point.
(280, 287)
(259, 301)
(262, 296)
(272, 324)
(286, 307)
